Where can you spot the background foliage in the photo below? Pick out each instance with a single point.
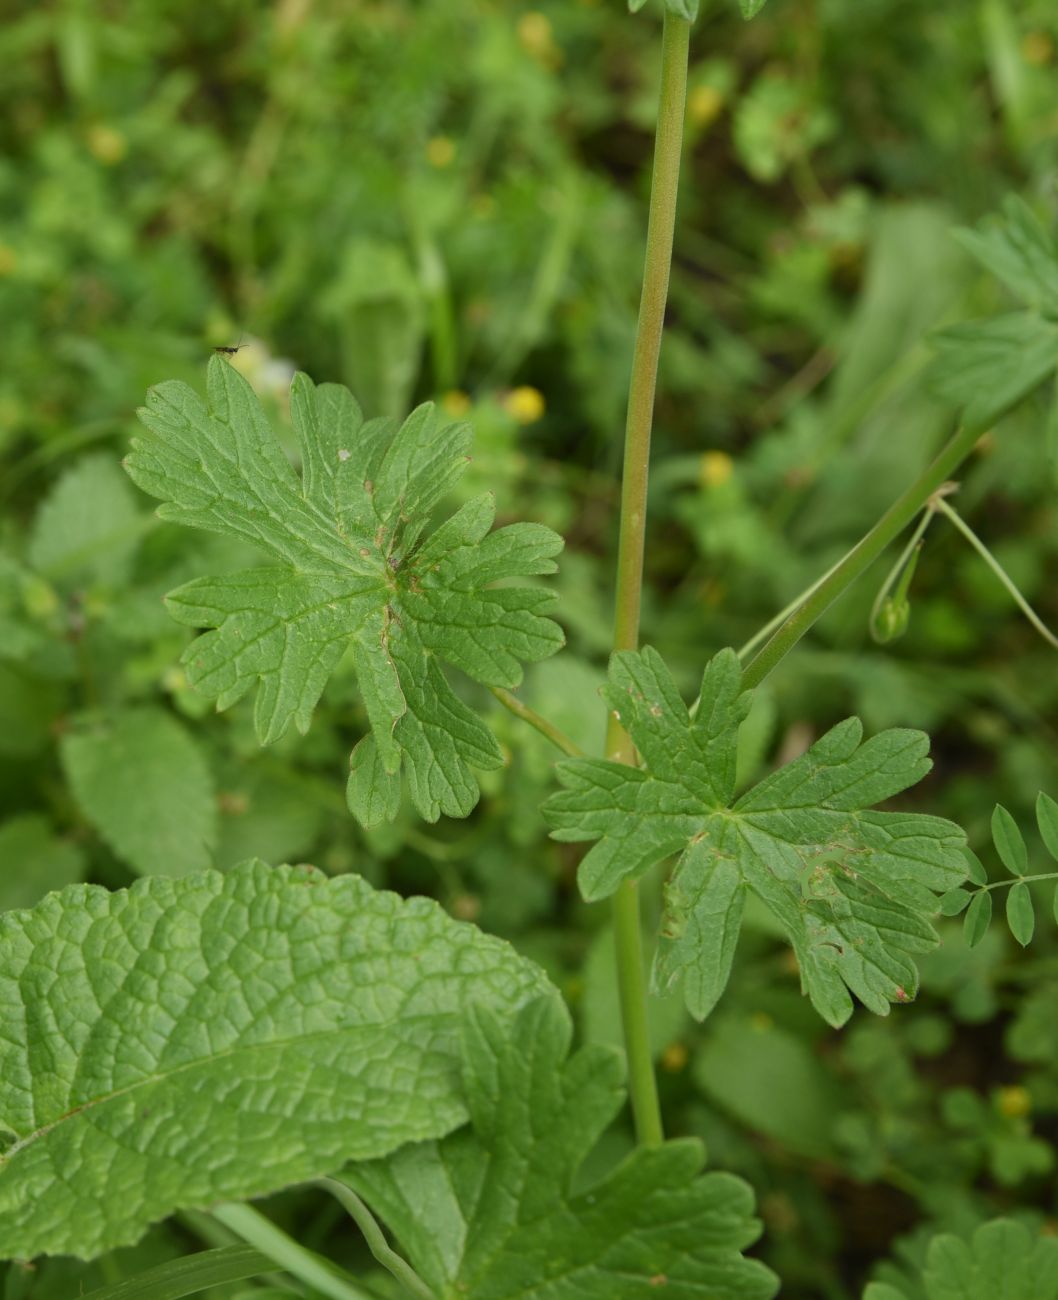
(446, 199)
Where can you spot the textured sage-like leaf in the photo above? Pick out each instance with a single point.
(142, 782)
(348, 567)
(853, 889)
(489, 1213)
(215, 1037)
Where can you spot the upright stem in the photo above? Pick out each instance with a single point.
(668, 146)
(891, 524)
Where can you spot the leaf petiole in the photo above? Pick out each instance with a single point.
(960, 523)
(375, 1238)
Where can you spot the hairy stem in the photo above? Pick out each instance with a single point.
(629, 585)
(891, 524)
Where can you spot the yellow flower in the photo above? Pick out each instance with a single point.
(704, 105)
(106, 144)
(440, 151)
(1014, 1102)
(525, 404)
(538, 39)
(674, 1058)
(1038, 48)
(716, 468)
(455, 402)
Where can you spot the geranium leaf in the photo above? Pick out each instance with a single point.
(489, 1213)
(348, 567)
(853, 889)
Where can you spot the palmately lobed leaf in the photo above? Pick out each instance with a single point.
(217, 1037)
(853, 889)
(1002, 1261)
(349, 568)
(489, 1213)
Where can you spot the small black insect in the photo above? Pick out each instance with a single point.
(231, 351)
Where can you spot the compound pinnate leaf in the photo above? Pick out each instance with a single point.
(216, 1037)
(142, 781)
(489, 1213)
(349, 567)
(1009, 842)
(978, 918)
(1047, 820)
(1021, 915)
(853, 889)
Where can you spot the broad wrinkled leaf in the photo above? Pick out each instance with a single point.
(489, 1214)
(88, 526)
(348, 567)
(216, 1037)
(1004, 1261)
(853, 889)
(34, 861)
(142, 781)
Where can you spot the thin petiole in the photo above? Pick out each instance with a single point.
(1020, 880)
(548, 729)
(1001, 573)
(376, 1240)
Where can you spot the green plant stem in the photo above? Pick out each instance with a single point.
(661, 223)
(960, 523)
(1020, 880)
(262, 1233)
(558, 738)
(891, 524)
(375, 1238)
(898, 569)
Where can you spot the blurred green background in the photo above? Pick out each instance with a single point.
(446, 199)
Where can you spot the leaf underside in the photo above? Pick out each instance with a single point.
(349, 567)
(488, 1213)
(217, 1037)
(853, 889)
